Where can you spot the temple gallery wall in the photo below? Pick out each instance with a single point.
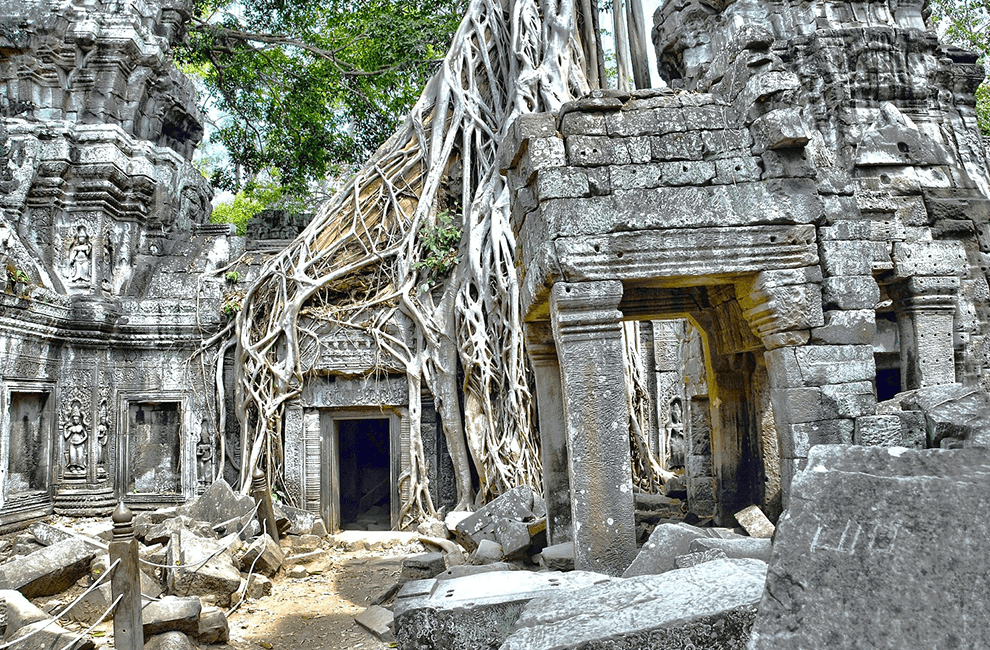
(794, 232)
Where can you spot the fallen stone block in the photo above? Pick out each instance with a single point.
(146, 519)
(709, 606)
(213, 626)
(474, 611)
(298, 572)
(304, 543)
(92, 606)
(47, 535)
(870, 533)
(755, 548)
(518, 504)
(162, 533)
(255, 587)
(660, 552)
(171, 613)
(301, 521)
(19, 611)
(378, 621)
(487, 552)
(205, 567)
(218, 504)
(150, 586)
(47, 635)
(264, 556)
(433, 528)
(514, 538)
(559, 557)
(422, 566)
(169, 641)
(49, 570)
(754, 522)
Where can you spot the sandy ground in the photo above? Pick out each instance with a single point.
(317, 611)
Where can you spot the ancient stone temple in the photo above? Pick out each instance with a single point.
(810, 195)
(108, 285)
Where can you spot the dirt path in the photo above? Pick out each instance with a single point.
(317, 611)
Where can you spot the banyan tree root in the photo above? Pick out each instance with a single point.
(361, 264)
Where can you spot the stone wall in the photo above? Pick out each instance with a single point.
(110, 281)
(813, 169)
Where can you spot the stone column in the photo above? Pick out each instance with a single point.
(588, 331)
(553, 435)
(925, 309)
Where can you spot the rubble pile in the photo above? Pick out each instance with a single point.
(196, 560)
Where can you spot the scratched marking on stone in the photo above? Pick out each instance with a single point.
(880, 539)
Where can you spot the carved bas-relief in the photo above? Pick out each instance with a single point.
(76, 435)
(80, 259)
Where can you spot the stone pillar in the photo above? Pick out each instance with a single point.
(588, 331)
(925, 309)
(553, 435)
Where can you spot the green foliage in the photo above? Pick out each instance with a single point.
(439, 243)
(966, 23)
(232, 277)
(312, 87)
(231, 306)
(255, 198)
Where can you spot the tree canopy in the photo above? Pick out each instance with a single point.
(966, 23)
(309, 87)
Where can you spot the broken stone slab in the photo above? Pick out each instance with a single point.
(660, 552)
(518, 504)
(47, 635)
(700, 557)
(487, 552)
(709, 606)
(756, 548)
(218, 504)
(469, 570)
(870, 533)
(150, 586)
(264, 556)
(559, 557)
(422, 566)
(46, 535)
(954, 415)
(514, 538)
(205, 567)
(162, 533)
(19, 611)
(213, 626)
(49, 570)
(91, 607)
(171, 613)
(255, 587)
(303, 543)
(169, 641)
(148, 518)
(297, 572)
(378, 621)
(474, 611)
(302, 521)
(754, 522)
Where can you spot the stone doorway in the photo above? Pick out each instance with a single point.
(360, 483)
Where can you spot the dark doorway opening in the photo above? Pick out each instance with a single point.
(888, 383)
(365, 476)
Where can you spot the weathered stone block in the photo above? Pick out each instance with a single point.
(264, 556)
(213, 626)
(754, 522)
(514, 538)
(678, 146)
(581, 123)
(649, 122)
(205, 567)
(562, 182)
(755, 548)
(928, 258)
(723, 141)
(422, 566)
(171, 613)
(219, 503)
(49, 570)
(801, 437)
(45, 635)
(850, 400)
(820, 365)
(831, 542)
(594, 150)
(711, 605)
(846, 258)
(515, 505)
(169, 641)
(658, 554)
(377, 620)
(850, 292)
(781, 128)
(700, 557)
(842, 327)
(736, 170)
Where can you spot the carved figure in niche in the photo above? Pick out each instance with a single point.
(80, 258)
(204, 458)
(76, 435)
(675, 433)
(192, 208)
(102, 434)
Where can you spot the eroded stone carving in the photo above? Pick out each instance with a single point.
(76, 434)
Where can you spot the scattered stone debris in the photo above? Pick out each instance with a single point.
(378, 621)
(754, 522)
